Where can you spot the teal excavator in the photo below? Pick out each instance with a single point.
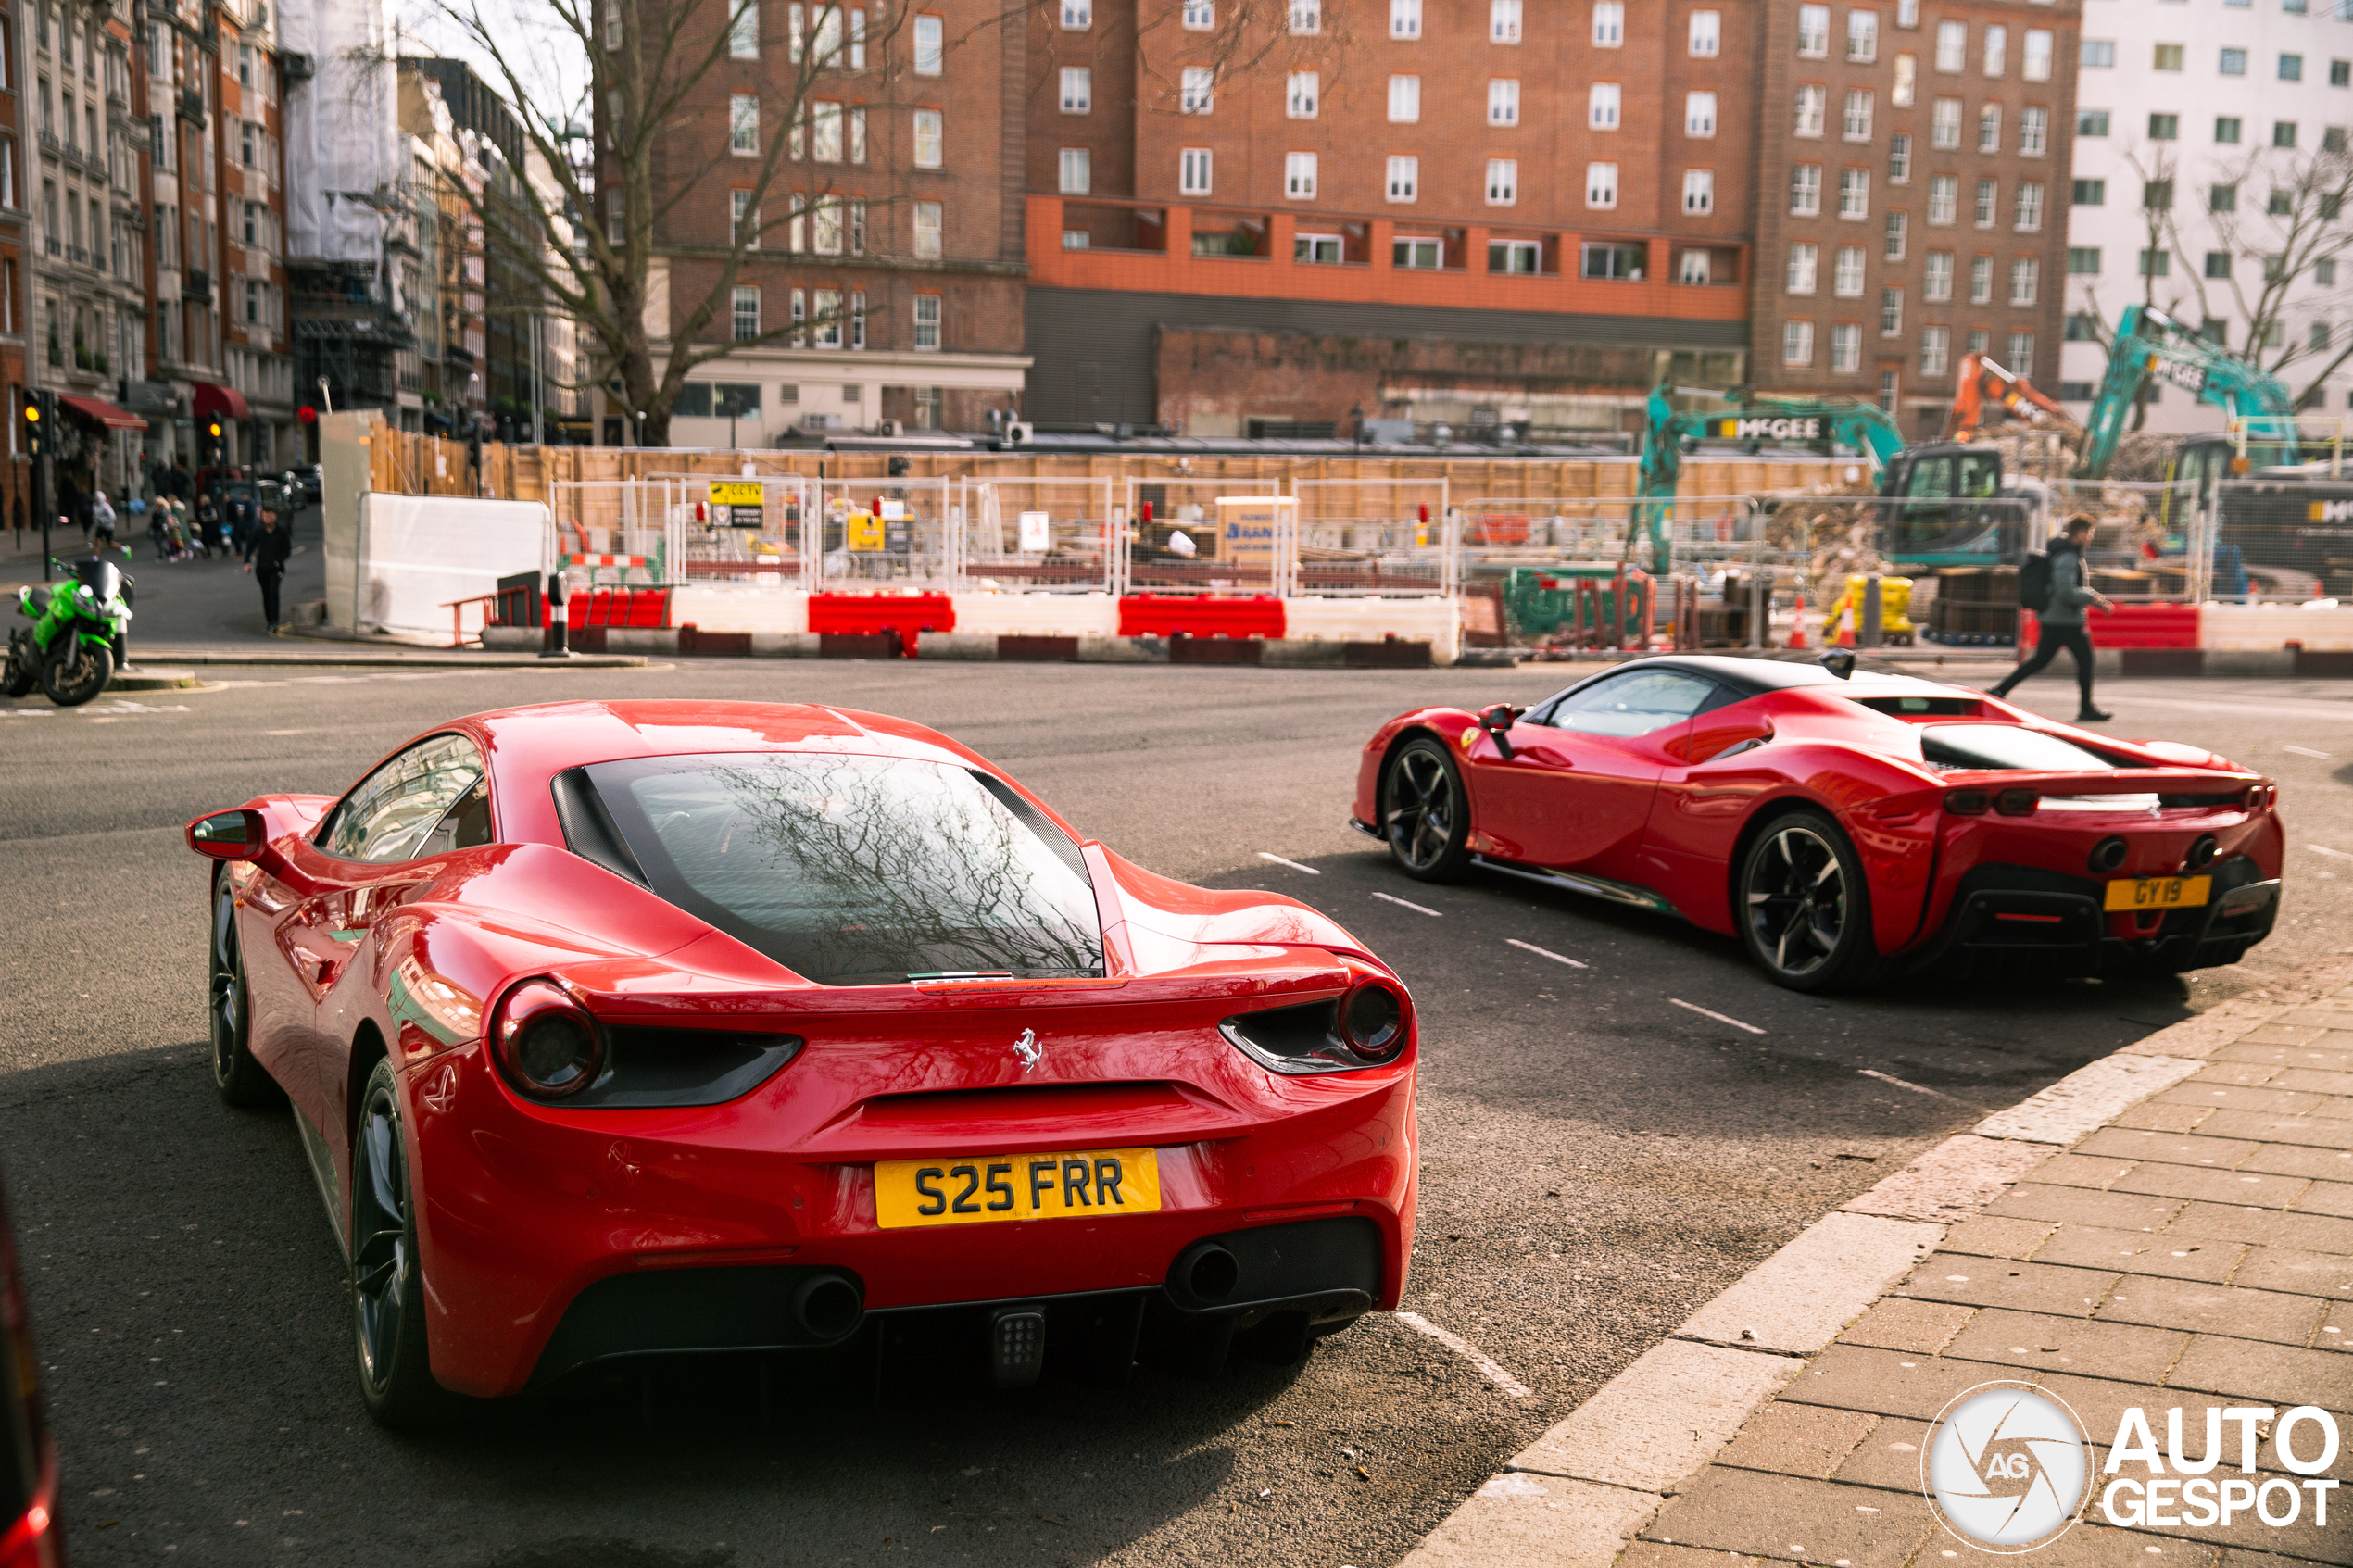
(2151, 343)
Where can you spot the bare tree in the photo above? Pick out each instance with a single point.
(2278, 215)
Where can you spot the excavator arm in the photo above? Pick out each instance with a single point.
(1863, 426)
(2150, 342)
(1983, 382)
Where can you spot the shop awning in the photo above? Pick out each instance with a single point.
(214, 398)
(103, 412)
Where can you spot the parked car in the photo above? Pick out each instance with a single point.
(30, 1535)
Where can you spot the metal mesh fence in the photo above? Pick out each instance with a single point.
(1043, 535)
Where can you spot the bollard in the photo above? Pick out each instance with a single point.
(1868, 636)
(558, 629)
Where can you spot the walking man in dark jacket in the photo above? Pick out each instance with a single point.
(266, 561)
(2061, 622)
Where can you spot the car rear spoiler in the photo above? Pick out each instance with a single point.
(2204, 782)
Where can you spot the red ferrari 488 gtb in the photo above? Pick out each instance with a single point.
(621, 1029)
(1843, 824)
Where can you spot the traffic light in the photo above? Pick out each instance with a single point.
(215, 451)
(32, 412)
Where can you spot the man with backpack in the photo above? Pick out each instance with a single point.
(2056, 587)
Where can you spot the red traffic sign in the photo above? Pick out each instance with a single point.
(307, 414)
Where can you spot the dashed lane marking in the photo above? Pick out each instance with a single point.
(2306, 751)
(1469, 1351)
(1710, 1012)
(1393, 898)
(2324, 849)
(1292, 864)
(1548, 953)
(1917, 1088)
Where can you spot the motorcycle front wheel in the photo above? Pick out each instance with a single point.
(79, 674)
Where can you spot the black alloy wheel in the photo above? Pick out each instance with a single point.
(1804, 909)
(387, 1288)
(242, 1080)
(77, 673)
(1424, 813)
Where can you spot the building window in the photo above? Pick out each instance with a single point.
(1078, 170)
(2159, 263)
(1846, 348)
(1609, 23)
(2083, 261)
(2091, 122)
(927, 216)
(1989, 193)
(1618, 263)
(2034, 60)
(2157, 195)
(1846, 273)
(1601, 186)
(1197, 90)
(1981, 280)
(1810, 112)
(1193, 172)
(1936, 351)
(738, 208)
(1797, 342)
(1707, 35)
(2026, 280)
(1299, 176)
(1199, 16)
(858, 133)
(1945, 124)
(1989, 128)
(1418, 252)
(1891, 312)
(1806, 190)
(2283, 133)
(2028, 208)
(2034, 132)
(825, 318)
(1936, 281)
(1503, 22)
(2165, 127)
(1319, 250)
(1854, 193)
(1854, 120)
(1601, 106)
(746, 312)
(1862, 37)
(1693, 269)
(1078, 15)
(2234, 62)
(1898, 233)
(743, 30)
(1699, 190)
(1952, 47)
(927, 321)
(929, 134)
(824, 132)
(1078, 90)
(1502, 101)
(1299, 101)
(1699, 114)
(1890, 383)
(1404, 100)
(1804, 262)
(1307, 16)
(1906, 82)
(1997, 40)
(2168, 57)
(1404, 179)
(1503, 181)
(826, 225)
(1519, 258)
(931, 46)
(1404, 18)
(2290, 68)
(2021, 355)
(743, 125)
(1812, 33)
(1899, 159)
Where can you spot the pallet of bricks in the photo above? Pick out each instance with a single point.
(1975, 607)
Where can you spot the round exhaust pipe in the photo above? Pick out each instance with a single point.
(827, 1307)
(1208, 1271)
(2108, 853)
(2202, 853)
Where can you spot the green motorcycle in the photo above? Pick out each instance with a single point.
(76, 638)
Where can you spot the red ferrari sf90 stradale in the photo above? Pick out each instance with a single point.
(622, 1029)
(1845, 825)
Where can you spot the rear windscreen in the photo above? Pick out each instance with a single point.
(859, 871)
(2006, 746)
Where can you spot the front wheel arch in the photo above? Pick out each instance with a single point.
(1855, 962)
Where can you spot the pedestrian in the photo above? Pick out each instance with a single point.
(102, 518)
(266, 561)
(2060, 623)
(241, 520)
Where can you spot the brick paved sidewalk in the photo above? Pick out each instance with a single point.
(2196, 1250)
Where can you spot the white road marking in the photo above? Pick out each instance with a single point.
(1292, 864)
(1916, 1088)
(2306, 751)
(2324, 849)
(1393, 898)
(1548, 953)
(1718, 1016)
(1469, 1353)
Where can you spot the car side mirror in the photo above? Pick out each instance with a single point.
(1839, 662)
(1498, 721)
(228, 835)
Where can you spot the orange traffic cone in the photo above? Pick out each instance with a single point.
(1797, 627)
(1845, 625)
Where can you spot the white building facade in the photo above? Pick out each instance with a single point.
(2207, 131)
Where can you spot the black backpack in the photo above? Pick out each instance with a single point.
(2034, 581)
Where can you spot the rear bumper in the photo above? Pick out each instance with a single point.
(2008, 919)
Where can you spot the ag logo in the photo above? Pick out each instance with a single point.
(2007, 1467)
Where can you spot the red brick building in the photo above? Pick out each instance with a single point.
(1461, 211)
(16, 513)
(1912, 196)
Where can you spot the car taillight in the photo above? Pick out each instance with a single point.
(1365, 1026)
(546, 1043)
(2017, 802)
(2263, 796)
(1967, 802)
(1372, 1021)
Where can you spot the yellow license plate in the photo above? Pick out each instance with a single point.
(976, 1190)
(2158, 893)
